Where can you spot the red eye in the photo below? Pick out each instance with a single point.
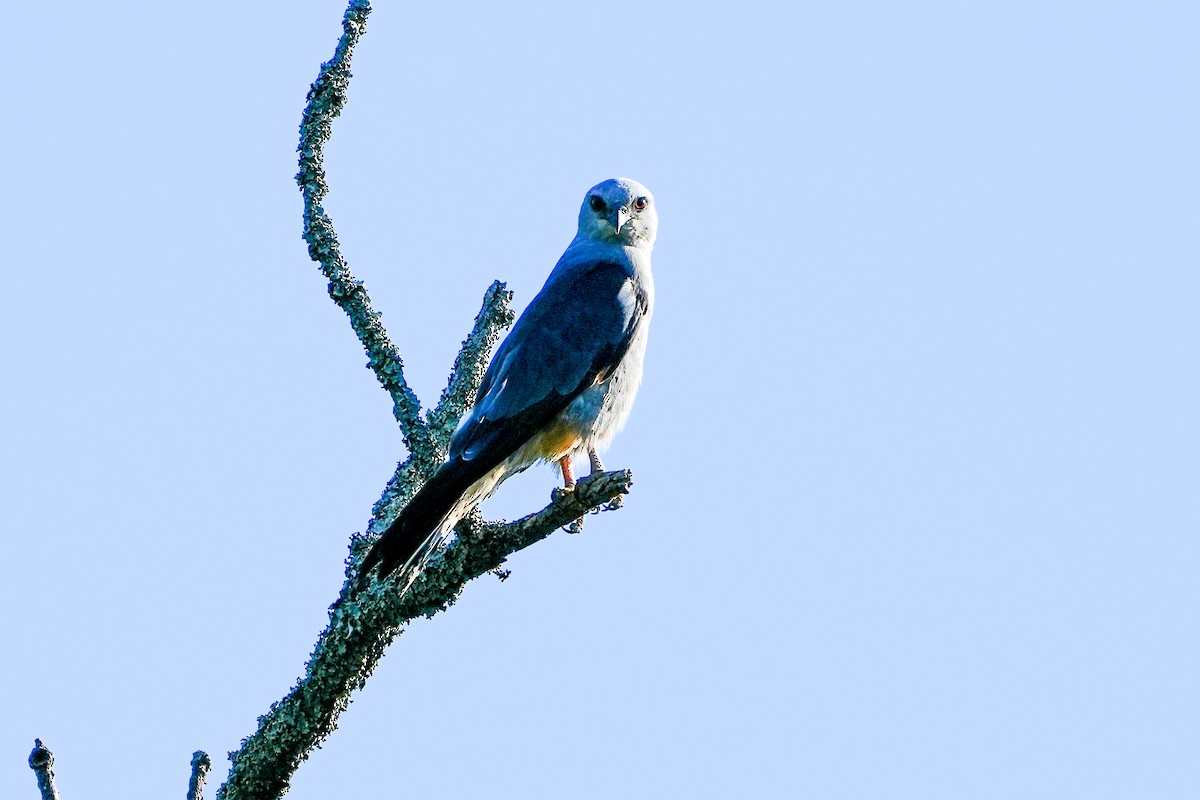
(640, 204)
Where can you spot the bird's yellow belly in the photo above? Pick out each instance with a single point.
(551, 443)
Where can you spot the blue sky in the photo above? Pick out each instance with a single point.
(915, 509)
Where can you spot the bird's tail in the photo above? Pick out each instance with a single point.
(430, 516)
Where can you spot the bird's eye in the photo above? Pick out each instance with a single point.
(597, 204)
(641, 203)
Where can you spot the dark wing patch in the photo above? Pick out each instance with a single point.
(579, 326)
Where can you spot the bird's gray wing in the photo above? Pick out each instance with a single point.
(573, 334)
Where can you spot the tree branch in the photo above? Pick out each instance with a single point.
(482, 547)
(325, 101)
(201, 764)
(364, 621)
(471, 363)
(457, 397)
(362, 625)
(41, 761)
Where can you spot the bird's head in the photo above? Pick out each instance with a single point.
(619, 211)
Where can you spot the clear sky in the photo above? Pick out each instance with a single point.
(916, 457)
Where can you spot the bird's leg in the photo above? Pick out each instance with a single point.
(594, 457)
(564, 464)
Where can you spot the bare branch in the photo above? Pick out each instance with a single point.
(362, 623)
(471, 363)
(362, 626)
(469, 366)
(41, 761)
(201, 764)
(325, 101)
(481, 548)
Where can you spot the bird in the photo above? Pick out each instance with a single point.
(561, 384)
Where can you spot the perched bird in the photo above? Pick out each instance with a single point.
(561, 384)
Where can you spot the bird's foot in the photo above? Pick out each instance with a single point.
(559, 493)
(594, 458)
(612, 505)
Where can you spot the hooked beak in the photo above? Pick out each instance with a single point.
(620, 217)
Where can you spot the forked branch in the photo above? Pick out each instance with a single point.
(363, 623)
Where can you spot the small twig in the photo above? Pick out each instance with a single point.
(41, 761)
(201, 764)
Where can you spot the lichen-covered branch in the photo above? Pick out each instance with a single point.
(457, 397)
(201, 764)
(366, 618)
(41, 761)
(482, 547)
(325, 101)
(471, 363)
(362, 625)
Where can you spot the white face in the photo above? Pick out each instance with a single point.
(620, 211)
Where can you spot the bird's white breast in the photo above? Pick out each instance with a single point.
(601, 411)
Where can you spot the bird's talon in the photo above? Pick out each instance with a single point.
(575, 527)
(614, 504)
(559, 492)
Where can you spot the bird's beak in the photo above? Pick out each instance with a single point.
(619, 218)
